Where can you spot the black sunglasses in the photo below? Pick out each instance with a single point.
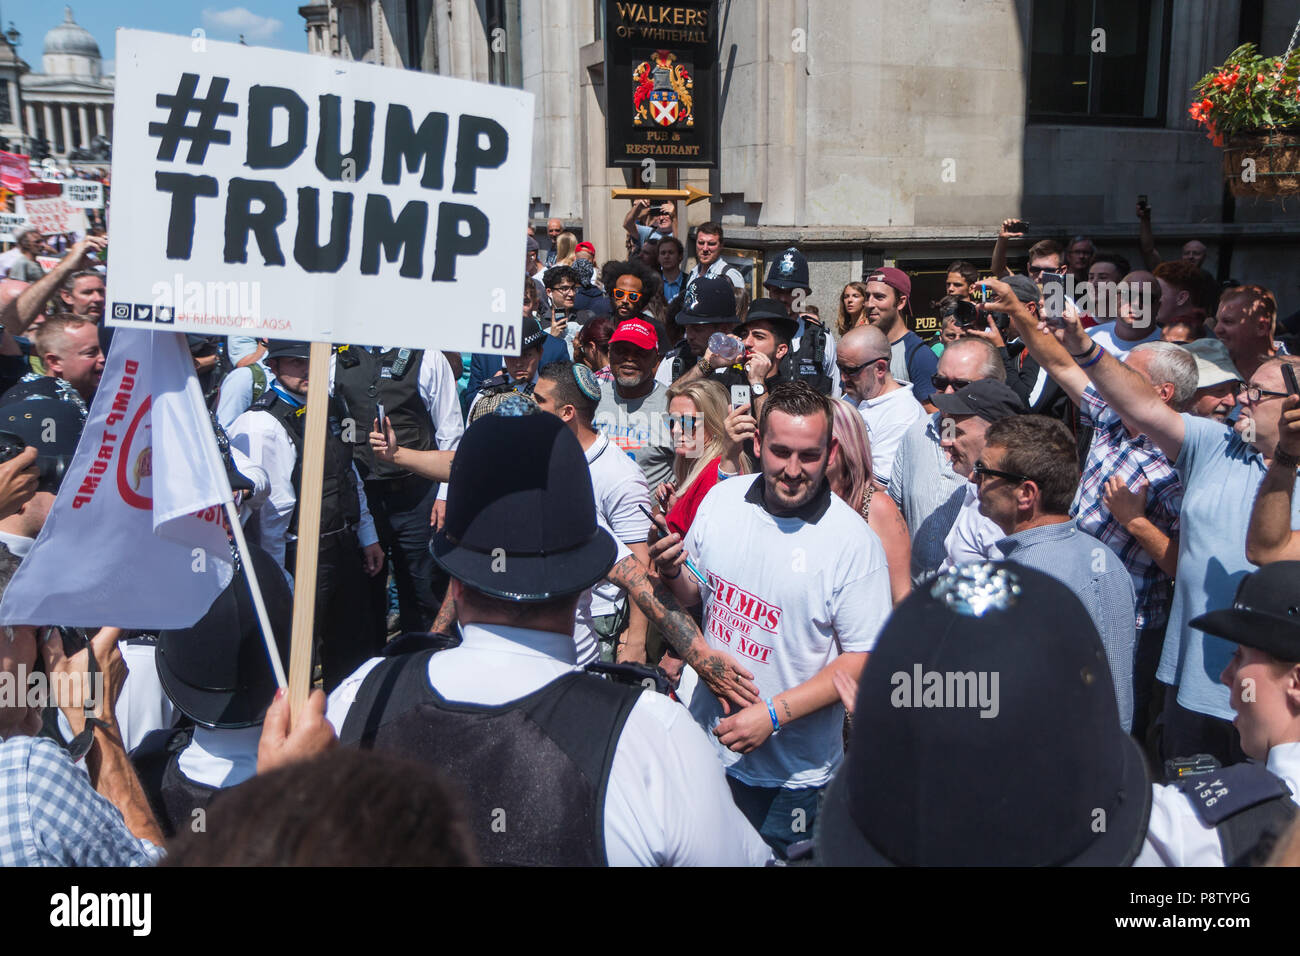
(942, 382)
(981, 472)
(847, 372)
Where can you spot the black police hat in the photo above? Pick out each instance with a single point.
(202, 344)
(521, 515)
(769, 310)
(216, 672)
(1037, 772)
(1265, 613)
(286, 348)
(531, 335)
(789, 270)
(990, 400)
(708, 299)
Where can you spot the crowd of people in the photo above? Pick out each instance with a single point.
(693, 574)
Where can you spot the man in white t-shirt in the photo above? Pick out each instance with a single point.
(798, 588)
(1135, 321)
(888, 407)
(571, 393)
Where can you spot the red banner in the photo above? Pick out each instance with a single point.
(14, 171)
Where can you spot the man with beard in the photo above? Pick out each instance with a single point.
(799, 588)
(633, 408)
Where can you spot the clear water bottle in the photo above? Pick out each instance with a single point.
(724, 346)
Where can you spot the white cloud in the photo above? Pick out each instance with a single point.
(237, 20)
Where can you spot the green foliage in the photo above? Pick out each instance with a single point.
(1248, 93)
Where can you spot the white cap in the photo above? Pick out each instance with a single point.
(1213, 363)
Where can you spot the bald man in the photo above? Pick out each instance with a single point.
(553, 229)
(1194, 252)
(887, 406)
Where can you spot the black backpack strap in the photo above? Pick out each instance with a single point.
(1248, 806)
(632, 675)
(394, 680)
(585, 720)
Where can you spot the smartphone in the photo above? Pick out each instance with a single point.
(1018, 225)
(379, 414)
(739, 395)
(1053, 298)
(1288, 376)
(1142, 200)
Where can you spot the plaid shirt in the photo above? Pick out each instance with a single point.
(1115, 453)
(50, 815)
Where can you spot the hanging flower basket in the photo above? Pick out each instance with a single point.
(1251, 106)
(1265, 163)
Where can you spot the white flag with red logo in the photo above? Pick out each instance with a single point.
(136, 537)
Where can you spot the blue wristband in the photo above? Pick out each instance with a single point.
(771, 712)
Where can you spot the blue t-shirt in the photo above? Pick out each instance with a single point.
(1221, 475)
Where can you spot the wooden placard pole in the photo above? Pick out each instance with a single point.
(304, 575)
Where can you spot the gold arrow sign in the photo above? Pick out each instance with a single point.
(690, 194)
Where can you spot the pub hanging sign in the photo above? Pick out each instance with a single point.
(661, 83)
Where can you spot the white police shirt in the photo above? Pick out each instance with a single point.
(667, 802)
(263, 440)
(1175, 834)
(973, 537)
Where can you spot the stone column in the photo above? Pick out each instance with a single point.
(66, 110)
(87, 133)
(49, 124)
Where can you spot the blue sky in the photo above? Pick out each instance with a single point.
(273, 23)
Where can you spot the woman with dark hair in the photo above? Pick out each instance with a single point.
(591, 346)
(853, 304)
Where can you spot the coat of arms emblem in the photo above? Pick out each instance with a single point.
(663, 93)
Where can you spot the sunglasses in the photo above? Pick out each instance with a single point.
(941, 382)
(848, 372)
(685, 422)
(981, 473)
(1035, 270)
(621, 294)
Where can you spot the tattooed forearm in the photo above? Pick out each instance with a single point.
(659, 605)
(446, 619)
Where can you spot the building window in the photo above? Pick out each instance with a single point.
(6, 113)
(1099, 61)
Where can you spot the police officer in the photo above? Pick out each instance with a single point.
(708, 306)
(1214, 816)
(520, 373)
(812, 347)
(998, 670)
(217, 675)
(418, 393)
(557, 766)
(270, 434)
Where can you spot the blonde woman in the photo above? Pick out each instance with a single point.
(566, 244)
(853, 305)
(708, 438)
(850, 476)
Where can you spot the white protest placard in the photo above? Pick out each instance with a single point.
(83, 194)
(53, 215)
(10, 222)
(294, 196)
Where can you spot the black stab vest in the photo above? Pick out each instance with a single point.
(363, 380)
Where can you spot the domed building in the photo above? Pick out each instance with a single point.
(70, 103)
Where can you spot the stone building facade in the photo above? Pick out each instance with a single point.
(875, 132)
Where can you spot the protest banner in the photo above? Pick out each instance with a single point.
(53, 215)
(135, 537)
(235, 162)
(83, 194)
(355, 203)
(15, 169)
(10, 223)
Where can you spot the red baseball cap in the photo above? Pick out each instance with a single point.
(638, 332)
(585, 245)
(894, 278)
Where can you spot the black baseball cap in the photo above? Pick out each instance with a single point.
(1265, 613)
(1036, 770)
(990, 400)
